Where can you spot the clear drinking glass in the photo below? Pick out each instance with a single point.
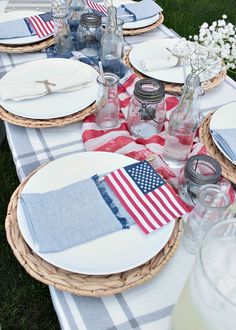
(208, 299)
(107, 102)
(76, 9)
(62, 34)
(212, 203)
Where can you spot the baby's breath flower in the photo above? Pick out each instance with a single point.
(219, 39)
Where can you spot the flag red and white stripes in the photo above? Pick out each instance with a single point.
(97, 7)
(43, 24)
(150, 201)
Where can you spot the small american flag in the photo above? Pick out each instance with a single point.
(97, 8)
(43, 24)
(150, 201)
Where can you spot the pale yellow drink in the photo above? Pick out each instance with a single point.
(208, 299)
(186, 314)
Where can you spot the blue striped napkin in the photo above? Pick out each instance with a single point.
(137, 11)
(73, 215)
(226, 139)
(19, 28)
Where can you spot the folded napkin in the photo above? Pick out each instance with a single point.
(16, 29)
(159, 62)
(140, 10)
(226, 138)
(73, 215)
(53, 83)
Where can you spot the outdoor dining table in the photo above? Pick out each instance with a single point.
(147, 306)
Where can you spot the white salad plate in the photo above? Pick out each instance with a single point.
(223, 118)
(10, 16)
(109, 254)
(54, 105)
(158, 49)
(136, 24)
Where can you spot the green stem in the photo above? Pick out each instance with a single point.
(232, 71)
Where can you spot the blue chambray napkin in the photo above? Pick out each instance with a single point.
(19, 28)
(140, 10)
(226, 138)
(72, 215)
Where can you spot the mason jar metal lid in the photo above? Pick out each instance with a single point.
(149, 89)
(90, 20)
(195, 165)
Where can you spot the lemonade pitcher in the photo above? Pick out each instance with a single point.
(208, 299)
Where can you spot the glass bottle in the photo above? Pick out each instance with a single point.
(211, 208)
(76, 9)
(89, 35)
(147, 111)
(62, 34)
(110, 44)
(183, 124)
(107, 102)
(120, 24)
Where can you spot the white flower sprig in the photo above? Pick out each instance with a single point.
(220, 39)
(201, 60)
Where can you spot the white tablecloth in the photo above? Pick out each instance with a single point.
(145, 307)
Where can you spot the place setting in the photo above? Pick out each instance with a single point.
(62, 242)
(163, 59)
(25, 31)
(218, 134)
(136, 17)
(48, 93)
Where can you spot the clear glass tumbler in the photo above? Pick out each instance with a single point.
(107, 102)
(62, 34)
(208, 299)
(211, 207)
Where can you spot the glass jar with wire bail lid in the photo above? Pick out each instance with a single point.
(147, 110)
(199, 170)
(89, 34)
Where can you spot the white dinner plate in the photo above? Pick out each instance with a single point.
(53, 105)
(224, 117)
(136, 24)
(10, 16)
(109, 254)
(152, 49)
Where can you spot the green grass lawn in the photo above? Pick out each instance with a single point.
(24, 302)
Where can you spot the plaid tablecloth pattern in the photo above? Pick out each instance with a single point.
(146, 307)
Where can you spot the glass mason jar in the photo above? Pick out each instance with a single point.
(107, 102)
(198, 171)
(62, 34)
(89, 35)
(183, 124)
(211, 207)
(208, 299)
(147, 111)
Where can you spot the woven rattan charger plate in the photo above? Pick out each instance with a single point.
(45, 123)
(27, 48)
(228, 169)
(86, 285)
(177, 88)
(132, 32)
